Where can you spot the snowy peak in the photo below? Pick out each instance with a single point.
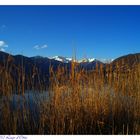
(86, 60)
(68, 59)
(62, 59)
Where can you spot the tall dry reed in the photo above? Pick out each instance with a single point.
(102, 101)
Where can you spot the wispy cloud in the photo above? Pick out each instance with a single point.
(3, 45)
(2, 49)
(44, 46)
(3, 27)
(37, 47)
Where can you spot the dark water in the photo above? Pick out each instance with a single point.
(24, 109)
(29, 101)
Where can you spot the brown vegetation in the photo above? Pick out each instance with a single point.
(104, 101)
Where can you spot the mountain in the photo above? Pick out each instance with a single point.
(38, 68)
(68, 59)
(130, 59)
(126, 62)
(86, 60)
(90, 65)
(61, 59)
(43, 63)
(86, 63)
(35, 70)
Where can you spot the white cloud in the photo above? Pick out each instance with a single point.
(3, 45)
(44, 46)
(3, 28)
(2, 49)
(37, 47)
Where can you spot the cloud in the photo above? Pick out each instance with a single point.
(37, 47)
(44, 46)
(3, 28)
(3, 45)
(2, 49)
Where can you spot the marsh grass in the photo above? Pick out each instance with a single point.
(102, 101)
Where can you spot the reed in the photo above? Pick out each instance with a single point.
(102, 101)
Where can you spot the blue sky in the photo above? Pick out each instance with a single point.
(94, 31)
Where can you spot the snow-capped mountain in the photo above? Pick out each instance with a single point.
(61, 59)
(86, 60)
(68, 59)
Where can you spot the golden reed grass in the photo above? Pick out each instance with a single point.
(102, 101)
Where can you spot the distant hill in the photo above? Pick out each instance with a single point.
(43, 63)
(127, 61)
(37, 67)
(130, 58)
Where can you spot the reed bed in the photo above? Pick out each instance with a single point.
(102, 101)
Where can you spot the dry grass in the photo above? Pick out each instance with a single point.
(79, 102)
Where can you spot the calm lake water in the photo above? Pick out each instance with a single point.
(29, 101)
(34, 100)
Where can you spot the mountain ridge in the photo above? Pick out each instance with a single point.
(62, 59)
(38, 68)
